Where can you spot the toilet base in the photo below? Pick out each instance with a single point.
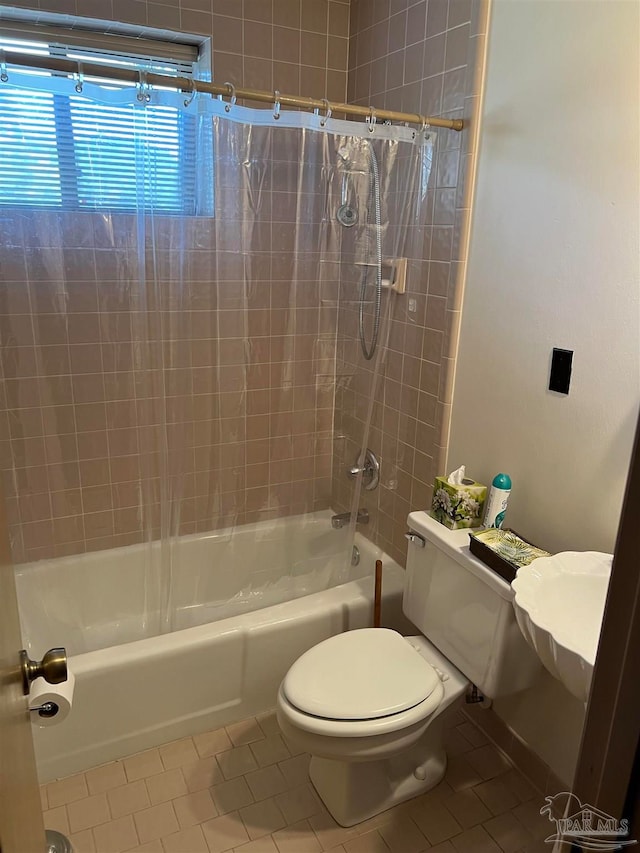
(354, 791)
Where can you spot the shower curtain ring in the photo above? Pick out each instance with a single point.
(231, 89)
(3, 67)
(143, 88)
(192, 93)
(327, 115)
(276, 105)
(371, 120)
(79, 78)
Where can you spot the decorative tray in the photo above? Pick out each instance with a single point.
(503, 550)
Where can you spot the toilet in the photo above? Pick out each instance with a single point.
(369, 704)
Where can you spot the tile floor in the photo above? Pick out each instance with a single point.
(243, 789)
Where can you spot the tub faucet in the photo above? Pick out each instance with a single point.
(343, 518)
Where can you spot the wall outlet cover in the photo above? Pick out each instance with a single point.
(560, 375)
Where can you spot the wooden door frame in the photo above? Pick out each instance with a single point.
(607, 773)
(21, 826)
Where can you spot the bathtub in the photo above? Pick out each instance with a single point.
(239, 623)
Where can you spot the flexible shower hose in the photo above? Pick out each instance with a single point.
(374, 201)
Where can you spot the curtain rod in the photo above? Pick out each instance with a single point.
(186, 84)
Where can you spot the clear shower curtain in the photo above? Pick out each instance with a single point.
(170, 353)
(369, 393)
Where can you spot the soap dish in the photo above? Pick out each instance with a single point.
(503, 550)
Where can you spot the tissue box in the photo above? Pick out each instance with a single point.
(458, 506)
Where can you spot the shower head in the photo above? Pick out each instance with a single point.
(347, 215)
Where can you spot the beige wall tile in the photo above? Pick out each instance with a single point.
(402, 57)
(410, 70)
(258, 44)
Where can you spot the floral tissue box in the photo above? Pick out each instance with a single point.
(458, 506)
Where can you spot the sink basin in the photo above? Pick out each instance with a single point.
(559, 603)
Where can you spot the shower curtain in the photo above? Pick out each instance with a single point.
(180, 345)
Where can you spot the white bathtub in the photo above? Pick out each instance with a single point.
(134, 691)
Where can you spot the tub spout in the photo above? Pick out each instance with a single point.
(343, 518)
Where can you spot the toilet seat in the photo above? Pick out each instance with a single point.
(361, 683)
(360, 728)
(360, 675)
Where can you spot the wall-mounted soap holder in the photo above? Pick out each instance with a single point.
(394, 273)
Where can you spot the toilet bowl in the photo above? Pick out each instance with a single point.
(369, 704)
(358, 702)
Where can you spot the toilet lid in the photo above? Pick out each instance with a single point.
(360, 675)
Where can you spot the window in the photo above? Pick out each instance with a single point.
(71, 153)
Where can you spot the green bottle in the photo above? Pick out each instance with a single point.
(497, 501)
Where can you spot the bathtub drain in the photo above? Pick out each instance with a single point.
(355, 556)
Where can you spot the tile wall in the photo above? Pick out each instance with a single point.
(73, 480)
(290, 45)
(420, 57)
(211, 385)
(81, 424)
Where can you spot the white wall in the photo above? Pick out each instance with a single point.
(554, 262)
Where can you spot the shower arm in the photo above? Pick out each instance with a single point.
(343, 190)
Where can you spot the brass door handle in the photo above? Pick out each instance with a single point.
(52, 667)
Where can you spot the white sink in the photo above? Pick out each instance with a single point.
(559, 603)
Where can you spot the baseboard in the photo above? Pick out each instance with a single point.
(539, 774)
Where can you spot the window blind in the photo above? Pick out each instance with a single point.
(72, 153)
(117, 40)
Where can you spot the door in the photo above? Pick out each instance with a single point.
(607, 776)
(21, 827)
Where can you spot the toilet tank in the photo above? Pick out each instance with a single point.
(465, 609)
